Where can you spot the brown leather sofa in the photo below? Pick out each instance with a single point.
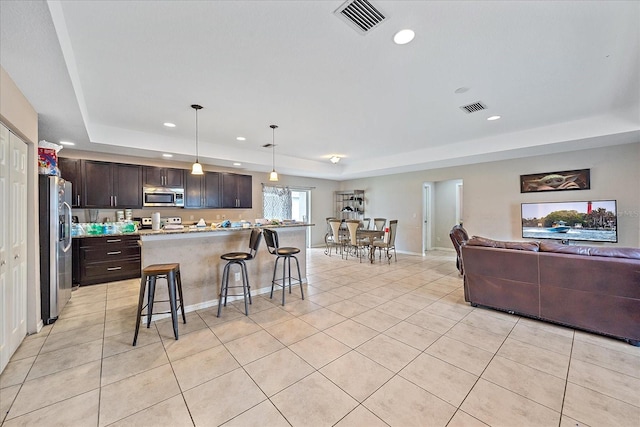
(596, 289)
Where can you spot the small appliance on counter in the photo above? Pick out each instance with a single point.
(172, 223)
(145, 223)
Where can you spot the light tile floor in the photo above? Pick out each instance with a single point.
(371, 345)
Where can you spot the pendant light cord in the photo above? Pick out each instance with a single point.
(273, 146)
(197, 107)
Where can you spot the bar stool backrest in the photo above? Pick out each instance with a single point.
(254, 242)
(271, 240)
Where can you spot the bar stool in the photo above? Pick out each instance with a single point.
(170, 272)
(239, 258)
(271, 239)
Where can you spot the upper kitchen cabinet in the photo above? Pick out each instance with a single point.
(202, 191)
(163, 177)
(236, 191)
(111, 185)
(70, 170)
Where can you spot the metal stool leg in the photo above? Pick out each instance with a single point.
(224, 288)
(143, 286)
(151, 294)
(179, 282)
(171, 284)
(273, 280)
(299, 276)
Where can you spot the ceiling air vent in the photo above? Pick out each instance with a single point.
(269, 145)
(360, 15)
(472, 108)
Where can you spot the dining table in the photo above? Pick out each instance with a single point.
(370, 235)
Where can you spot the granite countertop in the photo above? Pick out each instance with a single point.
(189, 229)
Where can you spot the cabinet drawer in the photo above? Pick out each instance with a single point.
(102, 253)
(109, 241)
(99, 272)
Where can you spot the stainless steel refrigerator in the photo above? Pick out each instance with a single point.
(55, 245)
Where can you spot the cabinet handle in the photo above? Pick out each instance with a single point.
(115, 200)
(114, 240)
(114, 253)
(114, 268)
(78, 200)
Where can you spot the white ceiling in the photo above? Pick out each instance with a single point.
(107, 74)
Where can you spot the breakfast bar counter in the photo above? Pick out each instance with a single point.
(198, 252)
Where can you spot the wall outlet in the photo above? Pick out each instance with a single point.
(217, 216)
(236, 277)
(191, 217)
(224, 217)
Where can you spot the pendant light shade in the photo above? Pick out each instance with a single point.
(196, 168)
(273, 176)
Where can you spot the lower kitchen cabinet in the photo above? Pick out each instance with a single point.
(105, 259)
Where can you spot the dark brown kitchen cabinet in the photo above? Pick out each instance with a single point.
(111, 185)
(105, 259)
(70, 170)
(163, 177)
(236, 190)
(202, 191)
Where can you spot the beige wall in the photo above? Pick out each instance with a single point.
(492, 195)
(20, 117)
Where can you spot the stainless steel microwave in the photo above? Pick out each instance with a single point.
(162, 196)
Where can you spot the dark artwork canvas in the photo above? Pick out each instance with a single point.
(555, 181)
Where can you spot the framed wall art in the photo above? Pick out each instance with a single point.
(556, 181)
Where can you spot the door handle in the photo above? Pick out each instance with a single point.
(17, 256)
(3, 262)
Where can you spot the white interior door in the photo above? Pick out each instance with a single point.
(5, 314)
(427, 216)
(13, 243)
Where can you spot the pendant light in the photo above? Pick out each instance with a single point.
(273, 176)
(196, 168)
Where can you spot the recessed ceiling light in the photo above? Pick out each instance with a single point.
(67, 143)
(334, 159)
(167, 155)
(493, 118)
(461, 90)
(241, 138)
(170, 125)
(237, 164)
(404, 36)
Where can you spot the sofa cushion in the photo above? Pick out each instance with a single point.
(631, 253)
(483, 241)
(523, 246)
(565, 249)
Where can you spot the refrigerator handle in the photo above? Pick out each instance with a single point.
(67, 231)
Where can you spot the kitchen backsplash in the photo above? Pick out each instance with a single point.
(189, 216)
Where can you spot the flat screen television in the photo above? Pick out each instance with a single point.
(594, 221)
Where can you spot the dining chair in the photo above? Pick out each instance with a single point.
(366, 223)
(328, 237)
(379, 223)
(390, 243)
(335, 240)
(355, 244)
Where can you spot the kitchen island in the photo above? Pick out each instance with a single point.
(198, 252)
